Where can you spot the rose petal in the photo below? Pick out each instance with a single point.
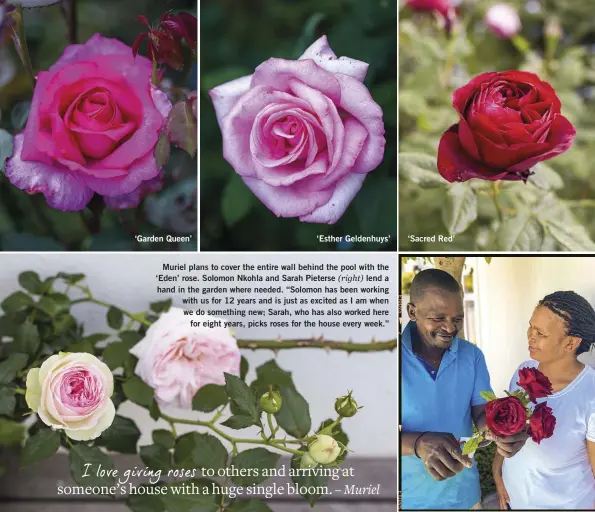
(321, 53)
(343, 194)
(224, 96)
(62, 189)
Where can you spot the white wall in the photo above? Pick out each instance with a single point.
(129, 281)
(508, 290)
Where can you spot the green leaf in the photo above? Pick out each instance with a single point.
(523, 232)
(71, 279)
(270, 374)
(130, 338)
(488, 396)
(248, 506)
(162, 150)
(156, 457)
(308, 481)
(181, 127)
(145, 502)
(244, 367)
(26, 338)
(237, 201)
(115, 354)
(545, 177)
(204, 500)
(472, 445)
(122, 436)
(161, 306)
(294, 415)
(256, 458)
(164, 438)
(19, 114)
(460, 208)
(6, 146)
(114, 318)
(96, 338)
(81, 346)
(420, 169)
(11, 433)
(30, 281)
(138, 392)
(238, 422)
(243, 397)
(7, 402)
(54, 304)
(154, 411)
(16, 301)
(43, 445)
(11, 366)
(202, 451)
(209, 397)
(563, 225)
(81, 454)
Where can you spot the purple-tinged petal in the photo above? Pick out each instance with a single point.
(63, 190)
(134, 198)
(334, 209)
(224, 96)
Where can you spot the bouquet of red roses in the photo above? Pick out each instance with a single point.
(510, 415)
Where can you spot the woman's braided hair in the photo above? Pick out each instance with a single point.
(578, 314)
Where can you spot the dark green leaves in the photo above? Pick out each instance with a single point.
(294, 416)
(203, 499)
(115, 318)
(11, 433)
(42, 445)
(138, 392)
(80, 455)
(30, 281)
(181, 127)
(270, 374)
(164, 438)
(26, 338)
(156, 457)
(248, 506)
(203, 451)
(11, 366)
(16, 301)
(308, 481)
(257, 458)
(53, 304)
(209, 397)
(6, 146)
(161, 306)
(7, 401)
(243, 398)
(238, 422)
(236, 202)
(122, 436)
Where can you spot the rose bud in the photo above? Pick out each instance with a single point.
(325, 449)
(271, 402)
(509, 122)
(71, 392)
(534, 383)
(542, 423)
(445, 8)
(503, 20)
(177, 359)
(346, 406)
(307, 462)
(506, 416)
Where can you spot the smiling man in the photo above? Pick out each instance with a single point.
(442, 377)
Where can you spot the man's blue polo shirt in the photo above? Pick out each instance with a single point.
(440, 405)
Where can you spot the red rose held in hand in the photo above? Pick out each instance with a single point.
(542, 423)
(535, 383)
(506, 416)
(509, 122)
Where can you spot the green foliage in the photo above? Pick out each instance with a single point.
(554, 210)
(294, 416)
(484, 458)
(361, 29)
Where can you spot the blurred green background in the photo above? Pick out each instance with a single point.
(555, 210)
(238, 36)
(26, 222)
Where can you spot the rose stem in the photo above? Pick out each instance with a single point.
(20, 42)
(70, 15)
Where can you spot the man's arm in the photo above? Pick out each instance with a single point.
(408, 442)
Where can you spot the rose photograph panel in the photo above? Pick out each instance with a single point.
(496, 133)
(98, 125)
(298, 125)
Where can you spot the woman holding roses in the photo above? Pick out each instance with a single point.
(555, 471)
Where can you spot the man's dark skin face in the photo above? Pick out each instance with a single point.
(439, 317)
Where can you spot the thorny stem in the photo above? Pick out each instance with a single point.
(278, 444)
(278, 344)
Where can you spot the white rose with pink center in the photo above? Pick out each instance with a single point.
(72, 392)
(177, 359)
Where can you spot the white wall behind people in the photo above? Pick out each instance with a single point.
(129, 281)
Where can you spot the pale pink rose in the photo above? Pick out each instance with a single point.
(176, 359)
(71, 392)
(302, 134)
(503, 20)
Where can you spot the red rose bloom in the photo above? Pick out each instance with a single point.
(506, 416)
(509, 122)
(535, 383)
(542, 423)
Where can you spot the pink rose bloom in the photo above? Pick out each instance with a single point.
(94, 123)
(176, 359)
(71, 392)
(302, 134)
(503, 20)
